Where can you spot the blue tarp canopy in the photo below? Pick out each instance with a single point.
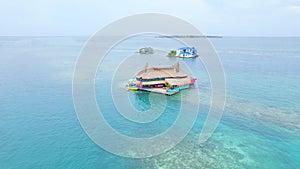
(187, 50)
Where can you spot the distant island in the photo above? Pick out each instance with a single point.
(187, 36)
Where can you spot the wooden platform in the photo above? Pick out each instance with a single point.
(159, 90)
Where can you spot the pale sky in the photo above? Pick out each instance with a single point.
(211, 17)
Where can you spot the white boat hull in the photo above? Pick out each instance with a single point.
(187, 56)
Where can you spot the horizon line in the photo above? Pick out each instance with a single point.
(170, 36)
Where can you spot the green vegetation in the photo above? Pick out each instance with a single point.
(172, 53)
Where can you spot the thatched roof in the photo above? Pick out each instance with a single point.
(150, 72)
(179, 81)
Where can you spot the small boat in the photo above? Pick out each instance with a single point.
(146, 50)
(133, 88)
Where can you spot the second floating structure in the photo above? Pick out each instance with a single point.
(184, 52)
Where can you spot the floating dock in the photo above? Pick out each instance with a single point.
(160, 90)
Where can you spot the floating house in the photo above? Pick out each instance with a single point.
(184, 52)
(146, 50)
(167, 80)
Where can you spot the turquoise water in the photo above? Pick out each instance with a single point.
(260, 127)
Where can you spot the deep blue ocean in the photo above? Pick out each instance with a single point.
(260, 127)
